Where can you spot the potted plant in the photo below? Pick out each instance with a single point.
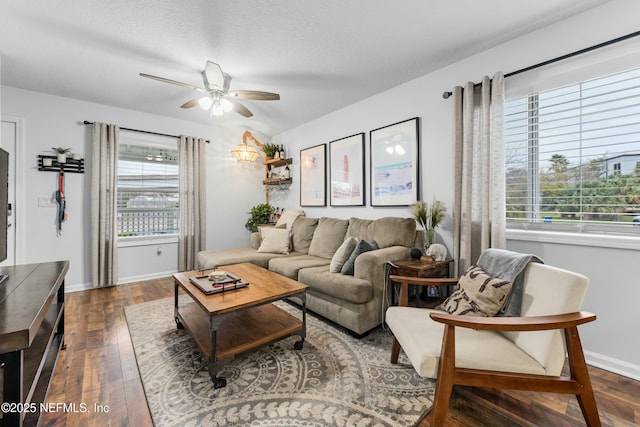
(260, 214)
(269, 150)
(428, 217)
(62, 153)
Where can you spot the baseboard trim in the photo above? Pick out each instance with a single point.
(144, 277)
(87, 286)
(617, 366)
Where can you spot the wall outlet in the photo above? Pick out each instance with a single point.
(46, 202)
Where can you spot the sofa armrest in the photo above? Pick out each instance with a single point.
(254, 240)
(370, 265)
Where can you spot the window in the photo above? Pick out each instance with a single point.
(147, 201)
(572, 156)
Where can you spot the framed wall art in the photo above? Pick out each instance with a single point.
(394, 155)
(313, 177)
(346, 166)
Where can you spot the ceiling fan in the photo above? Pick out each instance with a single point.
(218, 99)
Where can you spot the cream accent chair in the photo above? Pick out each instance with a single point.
(526, 353)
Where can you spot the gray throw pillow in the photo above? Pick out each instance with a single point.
(362, 247)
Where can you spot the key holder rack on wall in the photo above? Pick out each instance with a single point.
(71, 165)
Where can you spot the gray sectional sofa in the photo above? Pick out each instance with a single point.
(321, 253)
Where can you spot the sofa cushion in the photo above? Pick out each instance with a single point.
(342, 254)
(361, 247)
(328, 237)
(345, 288)
(391, 231)
(290, 266)
(302, 232)
(478, 294)
(219, 257)
(362, 229)
(274, 240)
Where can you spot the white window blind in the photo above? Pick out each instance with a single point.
(573, 156)
(148, 201)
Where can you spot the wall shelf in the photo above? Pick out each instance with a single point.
(277, 181)
(71, 165)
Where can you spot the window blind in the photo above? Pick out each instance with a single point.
(148, 198)
(573, 155)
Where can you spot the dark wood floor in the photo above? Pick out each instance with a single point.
(99, 368)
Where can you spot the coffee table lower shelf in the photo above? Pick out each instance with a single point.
(236, 332)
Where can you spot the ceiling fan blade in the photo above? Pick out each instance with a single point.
(191, 104)
(240, 109)
(255, 94)
(213, 76)
(173, 82)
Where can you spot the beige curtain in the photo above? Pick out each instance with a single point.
(479, 211)
(104, 265)
(191, 152)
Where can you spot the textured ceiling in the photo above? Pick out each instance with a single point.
(319, 55)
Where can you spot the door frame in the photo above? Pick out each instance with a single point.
(18, 212)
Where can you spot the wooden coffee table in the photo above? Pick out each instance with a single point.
(232, 322)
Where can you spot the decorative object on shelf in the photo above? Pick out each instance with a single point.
(270, 150)
(287, 172)
(61, 153)
(346, 167)
(244, 152)
(394, 171)
(51, 164)
(415, 253)
(260, 214)
(313, 178)
(437, 251)
(428, 217)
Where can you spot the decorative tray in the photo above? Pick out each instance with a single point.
(209, 287)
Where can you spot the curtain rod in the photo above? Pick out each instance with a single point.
(447, 94)
(86, 122)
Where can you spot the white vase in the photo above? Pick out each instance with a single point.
(62, 158)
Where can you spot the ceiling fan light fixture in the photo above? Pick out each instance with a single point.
(205, 102)
(226, 105)
(245, 153)
(216, 108)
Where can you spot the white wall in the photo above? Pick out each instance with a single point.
(613, 291)
(51, 121)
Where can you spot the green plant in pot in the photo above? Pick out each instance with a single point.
(269, 150)
(61, 152)
(260, 214)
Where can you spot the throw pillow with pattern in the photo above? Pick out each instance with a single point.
(477, 294)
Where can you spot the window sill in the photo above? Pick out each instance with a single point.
(578, 239)
(127, 242)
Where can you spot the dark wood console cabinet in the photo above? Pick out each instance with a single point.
(31, 335)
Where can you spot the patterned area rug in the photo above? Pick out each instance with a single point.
(335, 380)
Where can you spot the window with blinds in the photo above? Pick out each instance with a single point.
(147, 201)
(573, 156)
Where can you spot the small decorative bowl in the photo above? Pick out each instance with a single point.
(217, 275)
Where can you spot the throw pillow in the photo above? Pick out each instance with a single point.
(328, 237)
(342, 254)
(363, 246)
(302, 232)
(478, 294)
(287, 218)
(274, 240)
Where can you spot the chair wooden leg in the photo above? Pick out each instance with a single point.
(395, 351)
(446, 373)
(580, 373)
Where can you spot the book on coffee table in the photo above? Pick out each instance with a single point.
(229, 283)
